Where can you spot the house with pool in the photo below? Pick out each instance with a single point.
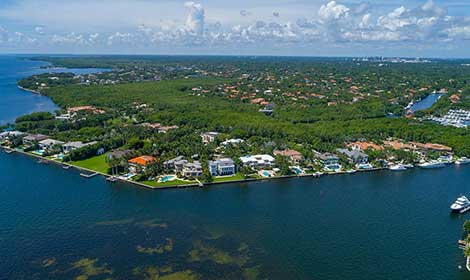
(329, 161)
(258, 161)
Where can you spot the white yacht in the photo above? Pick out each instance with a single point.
(397, 167)
(462, 160)
(432, 164)
(461, 205)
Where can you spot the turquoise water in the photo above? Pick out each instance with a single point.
(55, 224)
(166, 178)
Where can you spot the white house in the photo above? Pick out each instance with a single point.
(257, 161)
(209, 137)
(232, 142)
(70, 146)
(7, 134)
(192, 169)
(222, 167)
(49, 143)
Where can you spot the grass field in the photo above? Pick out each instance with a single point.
(97, 163)
(167, 184)
(237, 177)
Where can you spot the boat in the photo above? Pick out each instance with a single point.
(432, 164)
(462, 160)
(461, 205)
(397, 167)
(112, 179)
(66, 167)
(351, 171)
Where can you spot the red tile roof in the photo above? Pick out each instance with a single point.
(143, 160)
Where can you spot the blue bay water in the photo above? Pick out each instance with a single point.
(55, 224)
(15, 102)
(426, 102)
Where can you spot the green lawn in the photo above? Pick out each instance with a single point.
(97, 163)
(237, 177)
(167, 184)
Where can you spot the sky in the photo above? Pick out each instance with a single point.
(426, 28)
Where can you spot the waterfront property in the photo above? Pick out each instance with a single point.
(192, 169)
(74, 145)
(33, 139)
(175, 164)
(329, 161)
(355, 156)
(257, 161)
(6, 135)
(222, 167)
(139, 164)
(294, 156)
(47, 144)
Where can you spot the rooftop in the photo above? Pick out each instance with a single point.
(143, 160)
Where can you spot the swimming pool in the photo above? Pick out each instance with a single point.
(297, 170)
(167, 178)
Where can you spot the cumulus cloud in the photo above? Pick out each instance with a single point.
(333, 12)
(195, 18)
(333, 22)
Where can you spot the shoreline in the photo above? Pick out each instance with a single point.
(183, 186)
(29, 90)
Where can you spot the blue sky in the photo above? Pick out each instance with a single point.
(424, 28)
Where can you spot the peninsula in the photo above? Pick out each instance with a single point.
(187, 121)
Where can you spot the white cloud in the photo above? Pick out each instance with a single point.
(332, 23)
(195, 18)
(332, 12)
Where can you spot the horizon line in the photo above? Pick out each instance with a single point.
(229, 55)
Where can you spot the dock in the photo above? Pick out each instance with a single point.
(88, 175)
(462, 244)
(200, 184)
